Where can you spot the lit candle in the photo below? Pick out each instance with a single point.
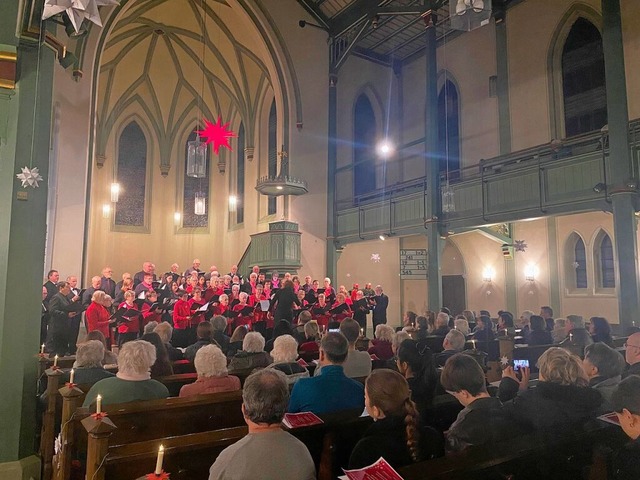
(159, 460)
(473, 342)
(42, 348)
(99, 404)
(571, 337)
(55, 361)
(71, 374)
(362, 332)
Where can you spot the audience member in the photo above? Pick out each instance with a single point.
(442, 325)
(204, 331)
(416, 364)
(283, 327)
(408, 322)
(298, 333)
(506, 327)
(462, 325)
(546, 312)
(422, 328)
(632, 355)
(539, 335)
(219, 324)
(453, 343)
(483, 419)
(252, 354)
(213, 377)
(357, 364)
(381, 345)
(284, 354)
(267, 452)
(165, 331)
(604, 367)
(88, 368)
(235, 342)
(576, 333)
(109, 357)
(483, 331)
(626, 403)
(310, 343)
(600, 330)
(331, 391)
(524, 322)
(395, 434)
(559, 331)
(133, 381)
(162, 366)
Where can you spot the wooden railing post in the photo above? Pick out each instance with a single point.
(48, 422)
(99, 431)
(71, 396)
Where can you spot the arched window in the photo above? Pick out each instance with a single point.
(580, 263)
(449, 129)
(273, 153)
(240, 176)
(132, 176)
(191, 187)
(583, 80)
(364, 140)
(605, 263)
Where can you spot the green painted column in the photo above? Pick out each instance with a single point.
(434, 242)
(22, 240)
(332, 159)
(622, 196)
(554, 268)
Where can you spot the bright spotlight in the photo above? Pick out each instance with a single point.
(385, 148)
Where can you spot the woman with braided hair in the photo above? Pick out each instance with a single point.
(395, 433)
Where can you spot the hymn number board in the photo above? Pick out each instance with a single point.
(413, 264)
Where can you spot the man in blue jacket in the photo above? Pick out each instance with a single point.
(331, 391)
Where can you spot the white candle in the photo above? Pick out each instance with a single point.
(55, 361)
(42, 348)
(362, 332)
(473, 342)
(159, 460)
(571, 337)
(71, 374)
(99, 404)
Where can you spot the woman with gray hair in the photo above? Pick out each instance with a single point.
(133, 381)
(219, 324)
(252, 354)
(97, 315)
(165, 332)
(381, 345)
(284, 354)
(109, 358)
(213, 377)
(88, 367)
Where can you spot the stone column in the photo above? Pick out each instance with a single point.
(332, 159)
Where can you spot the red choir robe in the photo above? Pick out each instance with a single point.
(98, 319)
(134, 325)
(341, 316)
(320, 314)
(148, 315)
(181, 315)
(196, 318)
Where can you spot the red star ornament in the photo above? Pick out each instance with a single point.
(218, 134)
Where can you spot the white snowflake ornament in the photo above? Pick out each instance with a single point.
(375, 257)
(30, 177)
(504, 361)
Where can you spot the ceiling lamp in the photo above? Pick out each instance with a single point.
(467, 15)
(233, 203)
(282, 184)
(115, 192)
(197, 158)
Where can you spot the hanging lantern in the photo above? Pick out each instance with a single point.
(200, 204)
(233, 203)
(197, 159)
(115, 192)
(448, 199)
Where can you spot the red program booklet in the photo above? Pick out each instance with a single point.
(303, 419)
(302, 363)
(374, 357)
(380, 470)
(610, 418)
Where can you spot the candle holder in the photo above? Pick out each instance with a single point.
(156, 476)
(99, 416)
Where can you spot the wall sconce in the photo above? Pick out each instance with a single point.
(177, 216)
(199, 206)
(115, 192)
(487, 274)
(530, 273)
(233, 203)
(106, 210)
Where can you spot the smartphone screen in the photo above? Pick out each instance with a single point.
(334, 329)
(518, 364)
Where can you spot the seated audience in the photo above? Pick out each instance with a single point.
(162, 366)
(298, 333)
(422, 328)
(219, 324)
(604, 367)
(150, 327)
(484, 329)
(462, 325)
(331, 391)
(211, 366)
(470, 317)
(576, 333)
(442, 325)
(559, 331)
(546, 312)
(88, 368)
(561, 401)
(165, 331)
(381, 345)
(539, 335)
(395, 433)
(310, 343)
(416, 364)
(235, 342)
(524, 323)
(506, 327)
(284, 354)
(632, 355)
(408, 322)
(133, 381)
(109, 358)
(267, 452)
(283, 327)
(252, 354)
(483, 419)
(357, 364)
(626, 403)
(453, 343)
(600, 330)
(204, 331)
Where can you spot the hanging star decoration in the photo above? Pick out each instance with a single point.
(77, 10)
(30, 177)
(375, 257)
(504, 361)
(218, 134)
(520, 246)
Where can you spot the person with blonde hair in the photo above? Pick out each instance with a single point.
(462, 325)
(559, 331)
(284, 354)
(133, 381)
(561, 401)
(395, 433)
(213, 376)
(97, 315)
(381, 345)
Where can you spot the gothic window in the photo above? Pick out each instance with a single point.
(273, 154)
(449, 130)
(192, 186)
(132, 176)
(580, 263)
(605, 263)
(364, 140)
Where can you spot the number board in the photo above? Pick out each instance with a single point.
(413, 264)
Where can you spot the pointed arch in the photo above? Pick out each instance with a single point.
(575, 256)
(272, 154)
(569, 85)
(604, 260)
(449, 131)
(365, 134)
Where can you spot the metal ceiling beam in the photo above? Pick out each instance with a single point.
(394, 33)
(363, 30)
(315, 12)
(354, 14)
